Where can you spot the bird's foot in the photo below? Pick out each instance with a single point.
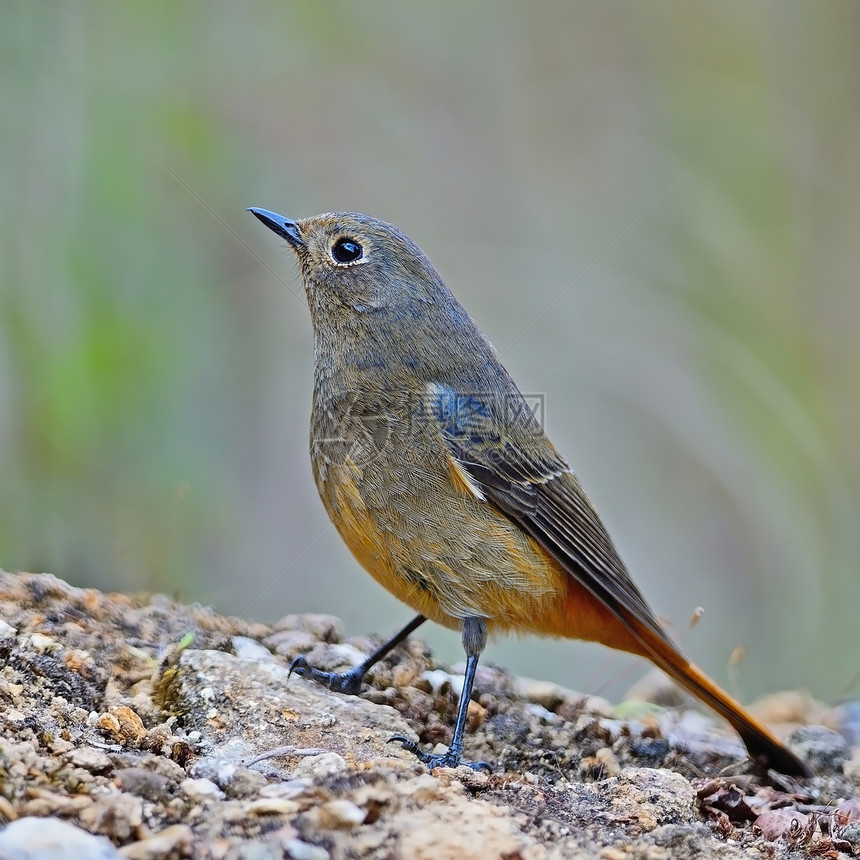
(340, 682)
(448, 759)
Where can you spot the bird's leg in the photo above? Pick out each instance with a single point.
(350, 682)
(474, 640)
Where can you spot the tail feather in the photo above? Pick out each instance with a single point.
(760, 743)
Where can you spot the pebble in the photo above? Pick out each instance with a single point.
(43, 643)
(320, 765)
(327, 628)
(299, 850)
(251, 649)
(289, 789)
(117, 814)
(341, 813)
(851, 833)
(423, 789)
(50, 838)
(172, 841)
(144, 783)
(91, 759)
(823, 748)
(291, 643)
(122, 724)
(198, 790)
(849, 721)
(607, 761)
(550, 696)
(335, 657)
(435, 679)
(236, 781)
(852, 766)
(272, 806)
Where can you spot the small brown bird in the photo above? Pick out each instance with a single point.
(442, 483)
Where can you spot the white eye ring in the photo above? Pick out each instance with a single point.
(347, 252)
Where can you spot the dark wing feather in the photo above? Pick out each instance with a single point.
(518, 470)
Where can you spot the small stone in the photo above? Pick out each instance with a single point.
(823, 748)
(46, 804)
(606, 760)
(474, 780)
(283, 835)
(545, 693)
(250, 649)
(175, 840)
(596, 705)
(291, 643)
(650, 796)
(7, 811)
(320, 765)
(144, 783)
(403, 675)
(334, 658)
(851, 833)
(122, 724)
(199, 790)
(788, 707)
(236, 781)
(272, 806)
(848, 722)
(39, 838)
(299, 850)
(475, 716)
(158, 739)
(341, 813)
(852, 766)
(115, 815)
(42, 643)
(435, 679)
(7, 631)
(293, 788)
(775, 823)
(423, 789)
(58, 746)
(91, 759)
(241, 782)
(326, 628)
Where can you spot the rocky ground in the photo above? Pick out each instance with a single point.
(131, 725)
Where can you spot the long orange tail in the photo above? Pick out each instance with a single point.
(758, 740)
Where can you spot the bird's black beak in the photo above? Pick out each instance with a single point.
(284, 227)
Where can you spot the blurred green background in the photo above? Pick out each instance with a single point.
(652, 209)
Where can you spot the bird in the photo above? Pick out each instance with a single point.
(441, 481)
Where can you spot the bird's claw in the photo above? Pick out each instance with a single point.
(341, 682)
(448, 759)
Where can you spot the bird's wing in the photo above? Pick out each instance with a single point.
(516, 468)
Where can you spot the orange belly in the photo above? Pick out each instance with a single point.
(465, 558)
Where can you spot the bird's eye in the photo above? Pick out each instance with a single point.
(346, 251)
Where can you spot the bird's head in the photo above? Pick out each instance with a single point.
(353, 263)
